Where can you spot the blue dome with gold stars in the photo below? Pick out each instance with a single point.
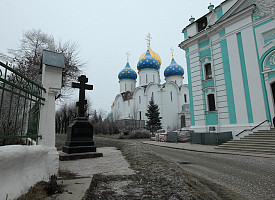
(127, 73)
(173, 69)
(148, 62)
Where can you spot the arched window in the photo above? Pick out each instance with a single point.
(211, 102)
(185, 98)
(208, 71)
(171, 95)
(183, 121)
(202, 23)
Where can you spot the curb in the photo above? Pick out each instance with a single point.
(212, 152)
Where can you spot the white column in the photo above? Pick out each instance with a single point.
(51, 81)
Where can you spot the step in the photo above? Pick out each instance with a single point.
(262, 134)
(247, 150)
(249, 145)
(265, 131)
(256, 133)
(239, 151)
(251, 142)
(259, 138)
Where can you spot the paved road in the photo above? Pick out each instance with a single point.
(253, 177)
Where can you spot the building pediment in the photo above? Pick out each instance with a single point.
(236, 8)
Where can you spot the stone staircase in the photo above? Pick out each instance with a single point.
(260, 142)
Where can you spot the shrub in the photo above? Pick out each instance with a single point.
(140, 133)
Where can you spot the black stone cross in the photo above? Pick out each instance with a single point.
(82, 101)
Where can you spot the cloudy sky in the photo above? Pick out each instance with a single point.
(104, 30)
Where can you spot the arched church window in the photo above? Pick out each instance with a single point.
(202, 23)
(211, 102)
(139, 115)
(208, 71)
(183, 121)
(185, 98)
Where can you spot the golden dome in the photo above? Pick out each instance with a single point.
(153, 54)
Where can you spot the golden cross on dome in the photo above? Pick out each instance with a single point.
(128, 54)
(148, 38)
(172, 51)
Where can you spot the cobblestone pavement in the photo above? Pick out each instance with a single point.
(253, 177)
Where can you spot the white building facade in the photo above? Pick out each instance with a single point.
(172, 97)
(230, 58)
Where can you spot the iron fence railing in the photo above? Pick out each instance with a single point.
(20, 102)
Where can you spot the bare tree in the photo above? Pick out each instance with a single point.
(28, 56)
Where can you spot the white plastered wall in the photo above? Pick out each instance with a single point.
(147, 76)
(23, 166)
(127, 85)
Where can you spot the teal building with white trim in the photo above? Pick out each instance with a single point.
(230, 55)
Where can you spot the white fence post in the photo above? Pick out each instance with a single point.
(52, 67)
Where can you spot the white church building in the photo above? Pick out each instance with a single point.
(172, 97)
(230, 57)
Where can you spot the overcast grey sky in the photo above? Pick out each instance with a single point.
(105, 30)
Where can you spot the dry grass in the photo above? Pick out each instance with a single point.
(37, 192)
(66, 174)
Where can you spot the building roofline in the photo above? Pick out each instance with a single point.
(217, 26)
(203, 16)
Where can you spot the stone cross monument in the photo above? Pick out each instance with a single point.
(80, 142)
(82, 101)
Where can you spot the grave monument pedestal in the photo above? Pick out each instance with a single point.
(80, 142)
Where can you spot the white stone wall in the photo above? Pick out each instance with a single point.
(177, 79)
(147, 76)
(127, 85)
(23, 166)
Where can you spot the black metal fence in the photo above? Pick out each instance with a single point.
(20, 102)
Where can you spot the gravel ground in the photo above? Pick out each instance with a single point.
(253, 177)
(155, 178)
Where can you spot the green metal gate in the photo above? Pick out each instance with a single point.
(20, 102)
